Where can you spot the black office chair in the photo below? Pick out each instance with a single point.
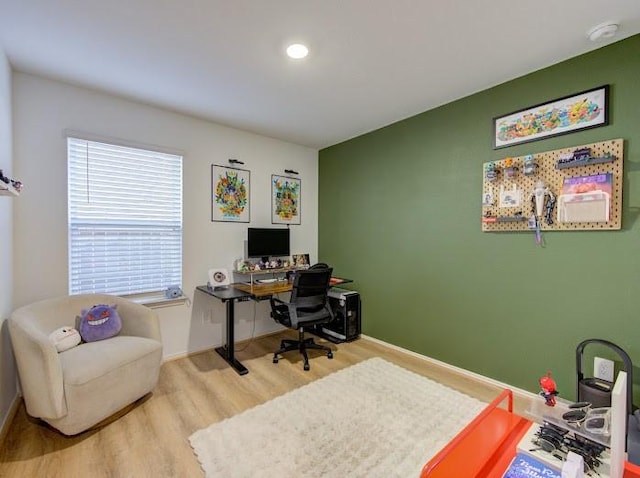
(308, 306)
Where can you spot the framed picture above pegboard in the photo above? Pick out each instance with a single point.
(574, 188)
(587, 109)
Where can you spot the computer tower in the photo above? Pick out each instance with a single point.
(346, 308)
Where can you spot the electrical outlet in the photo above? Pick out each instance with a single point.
(603, 369)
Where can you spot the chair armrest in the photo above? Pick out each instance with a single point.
(293, 315)
(39, 367)
(137, 319)
(272, 303)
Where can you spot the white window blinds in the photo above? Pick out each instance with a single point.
(125, 219)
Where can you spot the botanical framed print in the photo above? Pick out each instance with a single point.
(230, 188)
(587, 109)
(285, 200)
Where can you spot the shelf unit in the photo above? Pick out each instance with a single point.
(585, 162)
(539, 412)
(253, 285)
(277, 272)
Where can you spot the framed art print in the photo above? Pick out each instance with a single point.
(285, 200)
(230, 189)
(587, 109)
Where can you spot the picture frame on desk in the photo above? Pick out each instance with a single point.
(301, 261)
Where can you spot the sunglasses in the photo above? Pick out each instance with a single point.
(558, 443)
(551, 441)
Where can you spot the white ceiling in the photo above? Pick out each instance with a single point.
(372, 62)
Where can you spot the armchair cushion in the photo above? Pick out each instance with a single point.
(65, 338)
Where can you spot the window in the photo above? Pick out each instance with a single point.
(125, 219)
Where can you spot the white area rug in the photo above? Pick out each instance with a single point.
(373, 419)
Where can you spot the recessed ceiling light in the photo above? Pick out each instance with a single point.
(604, 30)
(297, 51)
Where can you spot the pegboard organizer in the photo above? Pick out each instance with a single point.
(510, 218)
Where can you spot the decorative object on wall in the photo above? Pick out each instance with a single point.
(585, 182)
(587, 109)
(285, 200)
(510, 196)
(230, 188)
(8, 186)
(586, 199)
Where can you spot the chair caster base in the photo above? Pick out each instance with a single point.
(306, 367)
(329, 355)
(275, 359)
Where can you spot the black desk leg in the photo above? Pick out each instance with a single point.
(227, 351)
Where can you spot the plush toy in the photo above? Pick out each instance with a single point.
(549, 390)
(99, 322)
(65, 338)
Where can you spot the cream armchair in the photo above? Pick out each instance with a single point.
(75, 389)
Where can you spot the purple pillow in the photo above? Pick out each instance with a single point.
(99, 322)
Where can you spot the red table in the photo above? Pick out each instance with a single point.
(485, 447)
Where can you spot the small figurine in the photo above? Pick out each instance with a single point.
(549, 391)
(491, 172)
(529, 165)
(510, 169)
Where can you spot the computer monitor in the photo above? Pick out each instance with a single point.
(267, 242)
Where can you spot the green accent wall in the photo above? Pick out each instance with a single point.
(400, 210)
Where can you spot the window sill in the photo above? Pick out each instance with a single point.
(157, 300)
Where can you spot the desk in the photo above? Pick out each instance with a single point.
(264, 291)
(228, 296)
(260, 291)
(239, 291)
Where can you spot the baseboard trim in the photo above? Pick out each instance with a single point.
(8, 419)
(518, 392)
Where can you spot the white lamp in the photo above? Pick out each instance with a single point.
(297, 51)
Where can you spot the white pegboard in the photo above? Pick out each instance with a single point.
(554, 178)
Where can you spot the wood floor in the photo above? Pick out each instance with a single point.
(150, 439)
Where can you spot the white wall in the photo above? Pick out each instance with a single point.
(8, 390)
(44, 108)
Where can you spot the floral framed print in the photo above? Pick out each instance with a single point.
(285, 200)
(587, 109)
(230, 188)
